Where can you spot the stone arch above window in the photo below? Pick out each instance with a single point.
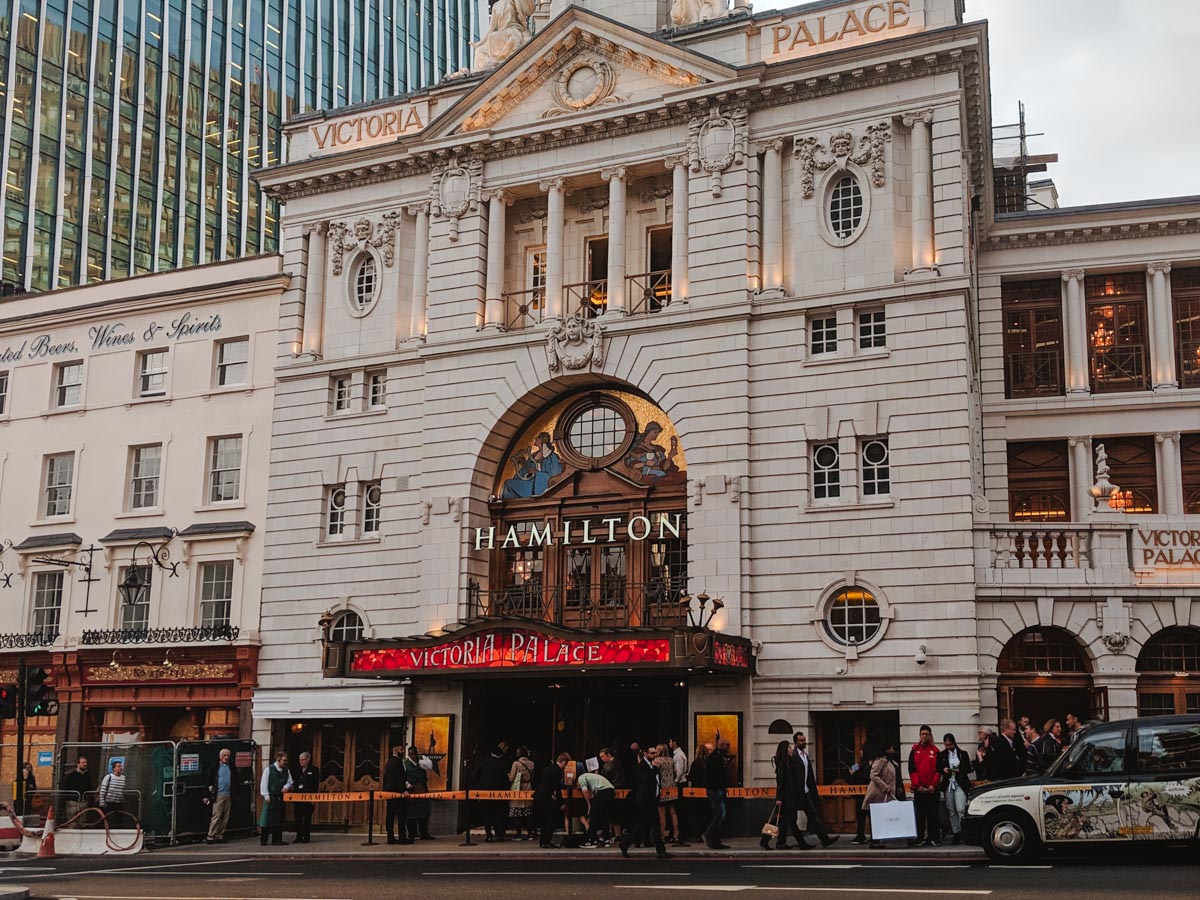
(1043, 650)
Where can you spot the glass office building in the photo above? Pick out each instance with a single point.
(131, 127)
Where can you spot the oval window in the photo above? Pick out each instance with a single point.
(845, 207)
(364, 283)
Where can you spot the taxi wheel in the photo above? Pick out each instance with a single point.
(1010, 836)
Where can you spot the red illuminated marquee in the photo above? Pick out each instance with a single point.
(513, 649)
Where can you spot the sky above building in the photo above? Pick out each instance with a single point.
(1112, 86)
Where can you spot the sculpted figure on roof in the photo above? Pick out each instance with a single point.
(689, 12)
(508, 31)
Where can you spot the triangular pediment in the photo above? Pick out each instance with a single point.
(581, 64)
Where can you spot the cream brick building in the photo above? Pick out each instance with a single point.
(727, 286)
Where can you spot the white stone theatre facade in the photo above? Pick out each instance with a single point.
(650, 383)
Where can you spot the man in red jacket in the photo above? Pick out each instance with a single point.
(923, 772)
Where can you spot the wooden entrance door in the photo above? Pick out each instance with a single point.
(840, 740)
(350, 756)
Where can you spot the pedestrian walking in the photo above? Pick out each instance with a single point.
(491, 774)
(883, 785)
(646, 790)
(520, 778)
(111, 796)
(223, 786)
(547, 800)
(419, 809)
(668, 800)
(276, 780)
(806, 793)
(716, 785)
(924, 776)
(954, 767)
(600, 795)
(307, 780)
(785, 800)
(395, 781)
(78, 782)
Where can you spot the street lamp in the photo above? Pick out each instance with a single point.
(135, 587)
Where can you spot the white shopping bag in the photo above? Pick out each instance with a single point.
(897, 819)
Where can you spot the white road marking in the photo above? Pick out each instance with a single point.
(735, 888)
(607, 874)
(132, 869)
(915, 865)
(189, 874)
(27, 869)
(176, 897)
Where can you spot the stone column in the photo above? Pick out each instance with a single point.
(1081, 477)
(498, 202)
(1162, 338)
(1075, 333)
(923, 252)
(316, 236)
(679, 228)
(420, 275)
(1170, 473)
(772, 213)
(616, 239)
(556, 191)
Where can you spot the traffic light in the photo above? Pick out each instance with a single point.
(8, 701)
(40, 699)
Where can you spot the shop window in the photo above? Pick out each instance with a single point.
(1132, 468)
(47, 603)
(1039, 481)
(1189, 448)
(145, 465)
(1117, 348)
(136, 616)
(348, 626)
(377, 389)
(233, 362)
(224, 469)
(68, 384)
(1033, 358)
(335, 515)
(852, 617)
(876, 468)
(372, 507)
(823, 335)
(1185, 295)
(216, 594)
(59, 481)
(827, 475)
(872, 330)
(845, 207)
(152, 373)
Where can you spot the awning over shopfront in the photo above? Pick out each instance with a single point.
(524, 646)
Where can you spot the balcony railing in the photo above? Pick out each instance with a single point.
(1189, 363)
(616, 604)
(161, 635)
(648, 292)
(524, 309)
(1050, 547)
(1120, 368)
(43, 638)
(1033, 373)
(589, 296)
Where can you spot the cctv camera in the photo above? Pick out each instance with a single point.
(920, 657)
(840, 670)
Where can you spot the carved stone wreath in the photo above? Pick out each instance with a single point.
(814, 157)
(582, 84)
(717, 142)
(343, 241)
(575, 343)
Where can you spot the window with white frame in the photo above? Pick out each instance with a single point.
(47, 602)
(60, 476)
(823, 334)
(827, 473)
(233, 362)
(852, 617)
(537, 277)
(224, 468)
(372, 507)
(872, 329)
(216, 593)
(845, 206)
(152, 373)
(3, 393)
(136, 616)
(377, 389)
(341, 386)
(145, 468)
(335, 517)
(346, 627)
(876, 468)
(365, 283)
(68, 384)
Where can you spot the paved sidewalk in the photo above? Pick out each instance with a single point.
(12, 892)
(337, 844)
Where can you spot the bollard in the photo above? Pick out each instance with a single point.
(371, 819)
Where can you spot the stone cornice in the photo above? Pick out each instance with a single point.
(1049, 234)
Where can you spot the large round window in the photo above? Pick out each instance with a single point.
(845, 207)
(853, 617)
(597, 432)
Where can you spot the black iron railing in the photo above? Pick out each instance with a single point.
(648, 292)
(613, 604)
(161, 635)
(590, 297)
(524, 309)
(1189, 363)
(28, 639)
(1120, 368)
(1033, 373)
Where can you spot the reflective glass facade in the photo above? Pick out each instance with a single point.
(131, 127)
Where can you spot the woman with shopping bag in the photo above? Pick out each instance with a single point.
(782, 820)
(889, 816)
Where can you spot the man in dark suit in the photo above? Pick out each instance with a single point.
(806, 791)
(491, 774)
(1007, 758)
(395, 780)
(306, 780)
(547, 800)
(645, 804)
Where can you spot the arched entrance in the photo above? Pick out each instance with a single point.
(1169, 673)
(1045, 673)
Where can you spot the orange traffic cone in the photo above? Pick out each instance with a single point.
(46, 847)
